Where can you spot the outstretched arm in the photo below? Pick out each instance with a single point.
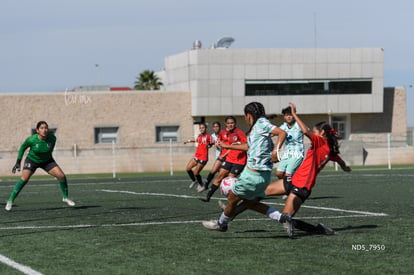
(301, 124)
(343, 165)
(235, 146)
(281, 136)
(189, 141)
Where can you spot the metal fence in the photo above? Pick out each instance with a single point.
(361, 149)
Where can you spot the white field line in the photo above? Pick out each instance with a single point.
(22, 268)
(355, 212)
(193, 197)
(80, 226)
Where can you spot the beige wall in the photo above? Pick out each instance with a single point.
(137, 113)
(391, 120)
(76, 114)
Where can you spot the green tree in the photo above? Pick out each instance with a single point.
(147, 80)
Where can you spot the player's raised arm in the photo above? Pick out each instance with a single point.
(301, 124)
(281, 137)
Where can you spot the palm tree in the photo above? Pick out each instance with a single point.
(148, 80)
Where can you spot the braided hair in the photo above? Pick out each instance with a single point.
(331, 135)
(257, 111)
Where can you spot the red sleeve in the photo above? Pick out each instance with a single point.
(210, 139)
(242, 136)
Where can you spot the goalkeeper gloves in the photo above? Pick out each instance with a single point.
(16, 166)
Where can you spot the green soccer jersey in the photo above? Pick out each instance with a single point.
(294, 147)
(259, 155)
(40, 150)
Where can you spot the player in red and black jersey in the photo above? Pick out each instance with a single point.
(234, 161)
(220, 156)
(200, 158)
(324, 148)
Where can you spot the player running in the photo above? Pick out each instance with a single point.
(324, 148)
(41, 147)
(255, 178)
(234, 161)
(200, 158)
(219, 159)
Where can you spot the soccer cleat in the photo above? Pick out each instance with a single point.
(192, 184)
(214, 225)
(221, 204)
(201, 188)
(286, 219)
(9, 205)
(323, 229)
(68, 201)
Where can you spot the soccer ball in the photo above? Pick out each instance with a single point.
(226, 185)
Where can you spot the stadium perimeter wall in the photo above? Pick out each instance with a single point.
(137, 113)
(75, 115)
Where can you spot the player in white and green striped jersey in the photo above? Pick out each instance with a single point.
(293, 150)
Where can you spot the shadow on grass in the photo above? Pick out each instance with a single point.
(298, 233)
(359, 228)
(324, 197)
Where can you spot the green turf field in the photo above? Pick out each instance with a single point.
(151, 224)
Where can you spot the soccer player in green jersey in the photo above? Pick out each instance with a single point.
(253, 181)
(41, 147)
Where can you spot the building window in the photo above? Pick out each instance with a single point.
(166, 133)
(106, 135)
(307, 87)
(339, 124)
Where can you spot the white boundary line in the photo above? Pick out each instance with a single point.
(193, 197)
(23, 268)
(80, 226)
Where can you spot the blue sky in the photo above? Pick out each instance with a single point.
(49, 45)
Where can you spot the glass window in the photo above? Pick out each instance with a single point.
(339, 124)
(105, 135)
(307, 87)
(166, 133)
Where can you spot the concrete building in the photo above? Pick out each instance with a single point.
(101, 129)
(342, 86)
(89, 125)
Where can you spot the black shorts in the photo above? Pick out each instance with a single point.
(221, 158)
(202, 162)
(32, 166)
(233, 168)
(302, 193)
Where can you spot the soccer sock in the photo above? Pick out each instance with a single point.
(273, 214)
(241, 207)
(210, 177)
(17, 188)
(199, 180)
(212, 190)
(64, 187)
(191, 174)
(223, 220)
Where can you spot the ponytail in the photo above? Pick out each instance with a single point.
(332, 137)
(257, 111)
